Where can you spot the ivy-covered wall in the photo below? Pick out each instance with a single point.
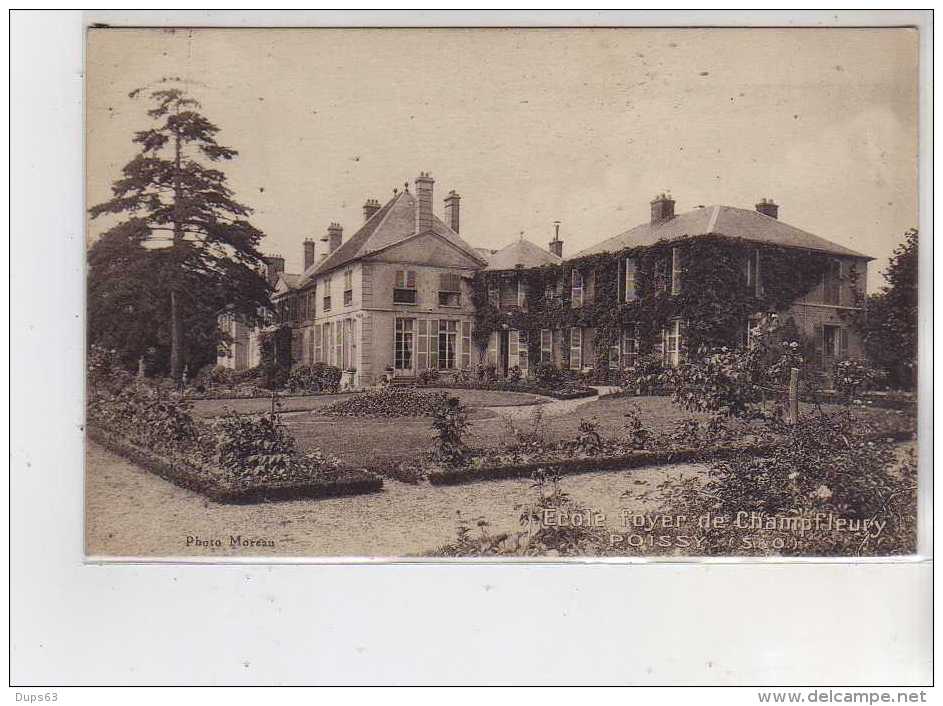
(714, 300)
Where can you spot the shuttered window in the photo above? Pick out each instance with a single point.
(576, 288)
(450, 289)
(546, 346)
(630, 346)
(576, 348)
(523, 354)
(404, 290)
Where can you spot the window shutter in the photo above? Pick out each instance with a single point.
(620, 283)
(433, 343)
(493, 349)
(675, 270)
(400, 279)
(514, 343)
(843, 343)
(411, 279)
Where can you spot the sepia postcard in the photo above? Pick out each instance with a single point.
(501, 293)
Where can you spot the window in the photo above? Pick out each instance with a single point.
(550, 293)
(630, 346)
(494, 293)
(834, 345)
(661, 276)
(403, 344)
(576, 288)
(317, 344)
(326, 340)
(832, 282)
(404, 291)
(521, 294)
(672, 345)
(630, 280)
(614, 357)
(576, 348)
(546, 346)
(523, 359)
(450, 289)
(348, 287)
(466, 344)
(752, 272)
(327, 294)
(339, 344)
(447, 334)
(675, 271)
(348, 340)
(753, 330)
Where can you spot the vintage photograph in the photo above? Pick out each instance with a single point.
(501, 293)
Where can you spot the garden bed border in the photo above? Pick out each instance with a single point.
(186, 476)
(640, 459)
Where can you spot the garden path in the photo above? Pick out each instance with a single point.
(130, 512)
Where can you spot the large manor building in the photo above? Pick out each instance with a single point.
(399, 295)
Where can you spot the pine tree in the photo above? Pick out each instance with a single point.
(168, 192)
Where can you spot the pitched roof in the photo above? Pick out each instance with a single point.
(720, 220)
(291, 281)
(521, 252)
(393, 223)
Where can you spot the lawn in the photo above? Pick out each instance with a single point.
(380, 443)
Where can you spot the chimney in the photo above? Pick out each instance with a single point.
(556, 245)
(663, 208)
(309, 253)
(451, 210)
(274, 266)
(334, 233)
(370, 207)
(768, 207)
(424, 184)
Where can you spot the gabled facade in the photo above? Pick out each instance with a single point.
(399, 296)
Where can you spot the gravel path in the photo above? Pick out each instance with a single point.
(551, 407)
(130, 512)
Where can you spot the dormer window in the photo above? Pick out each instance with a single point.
(404, 291)
(450, 290)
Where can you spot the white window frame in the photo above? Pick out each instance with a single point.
(576, 362)
(546, 345)
(672, 343)
(576, 288)
(629, 280)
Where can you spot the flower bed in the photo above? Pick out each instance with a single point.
(235, 458)
(212, 483)
(563, 460)
(393, 401)
(566, 392)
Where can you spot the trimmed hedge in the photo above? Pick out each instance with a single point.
(352, 482)
(639, 459)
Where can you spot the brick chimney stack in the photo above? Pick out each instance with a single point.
(451, 210)
(370, 207)
(556, 245)
(768, 207)
(334, 234)
(663, 208)
(424, 183)
(309, 253)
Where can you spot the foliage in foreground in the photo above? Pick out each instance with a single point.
(827, 488)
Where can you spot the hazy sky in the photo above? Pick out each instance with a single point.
(531, 126)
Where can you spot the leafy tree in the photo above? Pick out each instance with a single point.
(889, 325)
(167, 193)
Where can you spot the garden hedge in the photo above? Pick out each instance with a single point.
(352, 481)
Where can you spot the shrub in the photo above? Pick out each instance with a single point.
(486, 372)
(644, 376)
(450, 423)
(851, 375)
(253, 445)
(548, 374)
(392, 401)
(428, 376)
(637, 435)
(319, 377)
(588, 440)
(514, 374)
(273, 376)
